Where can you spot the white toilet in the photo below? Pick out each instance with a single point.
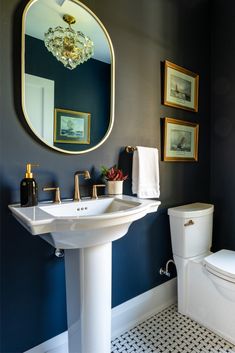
(206, 281)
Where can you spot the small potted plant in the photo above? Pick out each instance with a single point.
(114, 178)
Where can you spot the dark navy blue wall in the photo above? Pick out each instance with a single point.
(87, 88)
(144, 33)
(223, 124)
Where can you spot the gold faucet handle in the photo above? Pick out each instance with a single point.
(94, 190)
(57, 193)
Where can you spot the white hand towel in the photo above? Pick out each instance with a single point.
(145, 173)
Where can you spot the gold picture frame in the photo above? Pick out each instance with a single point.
(71, 127)
(180, 87)
(180, 141)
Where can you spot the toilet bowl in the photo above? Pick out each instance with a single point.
(206, 281)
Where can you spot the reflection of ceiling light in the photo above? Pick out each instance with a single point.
(70, 47)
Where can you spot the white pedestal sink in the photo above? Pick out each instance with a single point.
(86, 230)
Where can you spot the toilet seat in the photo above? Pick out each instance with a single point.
(221, 264)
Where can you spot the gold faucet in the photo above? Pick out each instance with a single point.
(86, 175)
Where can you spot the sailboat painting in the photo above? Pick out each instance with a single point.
(180, 87)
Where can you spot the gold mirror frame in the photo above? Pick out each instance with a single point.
(112, 82)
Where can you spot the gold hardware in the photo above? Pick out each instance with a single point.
(28, 173)
(189, 223)
(86, 175)
(94, 190)
(130, 149)
(69, 19)
(57, 193)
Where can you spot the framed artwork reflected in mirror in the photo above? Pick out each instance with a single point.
(71, 127)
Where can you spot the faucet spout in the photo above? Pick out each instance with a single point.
(86, 175)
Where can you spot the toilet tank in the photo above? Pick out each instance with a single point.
(191, 229)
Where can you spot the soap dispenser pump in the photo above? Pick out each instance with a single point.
(28, 188)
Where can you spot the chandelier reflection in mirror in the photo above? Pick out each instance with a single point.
(68, 46)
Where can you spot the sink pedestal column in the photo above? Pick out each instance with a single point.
(88, 291)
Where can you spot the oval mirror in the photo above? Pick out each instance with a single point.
(67, 75)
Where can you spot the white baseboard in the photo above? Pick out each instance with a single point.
(133, 311)
(124, 316)
(57, 344)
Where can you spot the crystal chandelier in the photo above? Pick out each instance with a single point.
(68, 46)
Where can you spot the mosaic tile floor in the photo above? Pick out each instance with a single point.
(170, 332)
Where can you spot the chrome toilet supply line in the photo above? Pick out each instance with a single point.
(165, 271)
(59, 252)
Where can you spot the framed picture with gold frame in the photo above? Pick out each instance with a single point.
(180, 87)
(180, 141)
(71, 127)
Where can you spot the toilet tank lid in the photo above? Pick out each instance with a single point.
(196, 209)
(222, 261)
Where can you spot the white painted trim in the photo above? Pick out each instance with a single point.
(124, 316)
(52, 344)
(138, 309)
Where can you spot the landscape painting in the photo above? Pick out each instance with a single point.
(180, 140)
(180, 87)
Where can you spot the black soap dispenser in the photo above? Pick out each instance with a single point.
(28, 188)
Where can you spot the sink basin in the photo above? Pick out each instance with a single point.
(72, 225)
(89, 207)
(86, 229)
